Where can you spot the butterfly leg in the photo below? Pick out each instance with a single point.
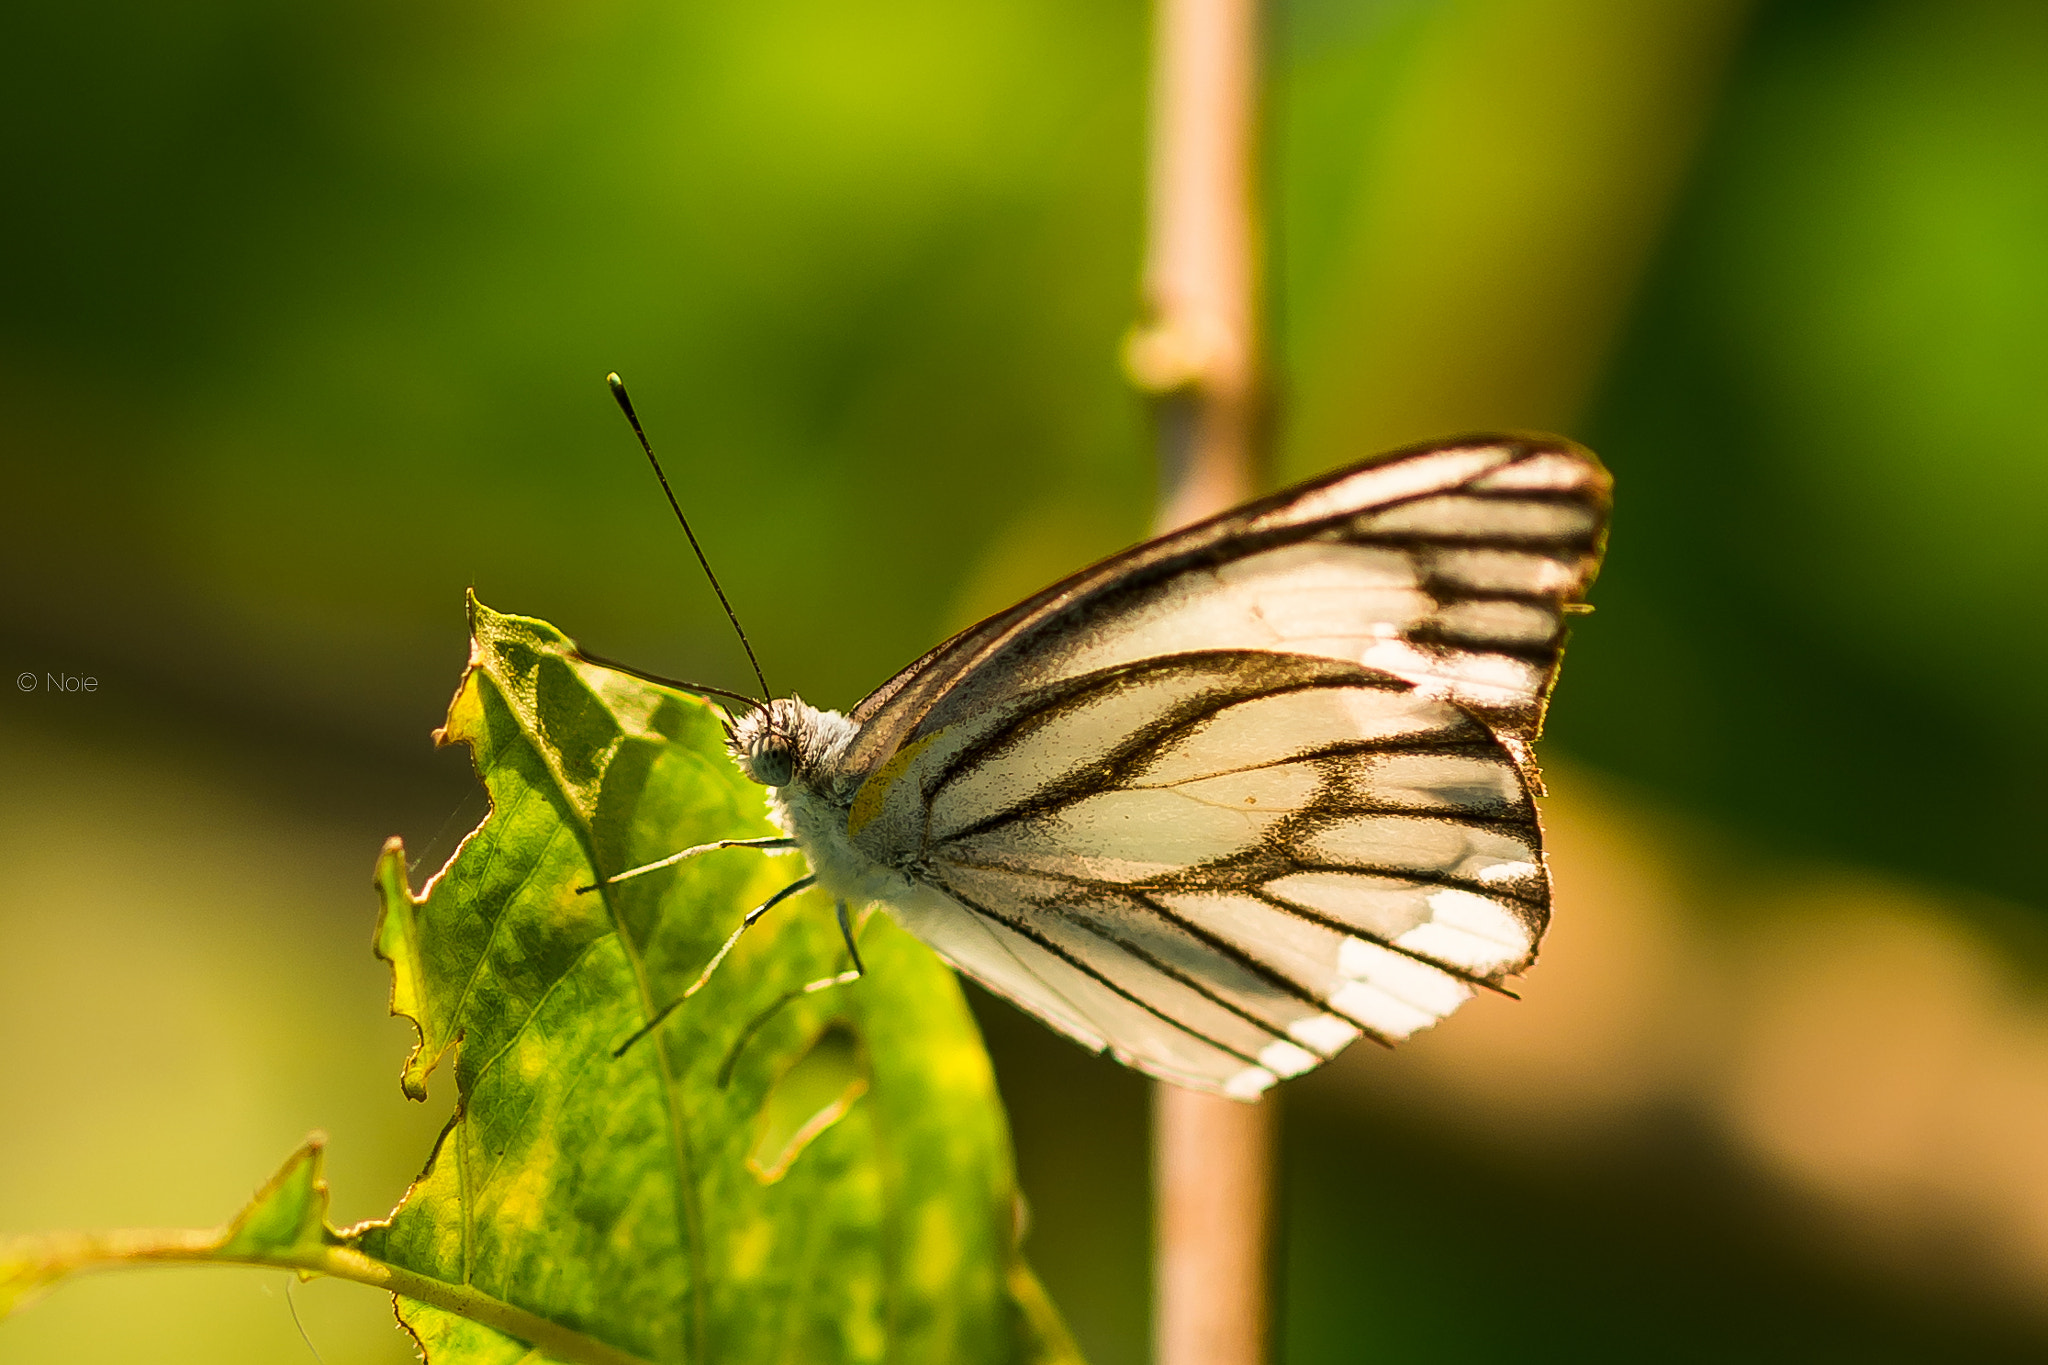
(846, 978)
(852, 951)
(753, 916)
(672, 859)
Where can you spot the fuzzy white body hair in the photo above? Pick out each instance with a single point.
(813, 807)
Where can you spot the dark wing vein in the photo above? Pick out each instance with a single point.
(1222, 947)
(1024, 930)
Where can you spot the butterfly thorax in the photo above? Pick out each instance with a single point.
(798, 753)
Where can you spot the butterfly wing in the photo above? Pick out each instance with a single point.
(1224, 802)
(1489, 526)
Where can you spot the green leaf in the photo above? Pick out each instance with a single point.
(825, 1181)
(847, 1196)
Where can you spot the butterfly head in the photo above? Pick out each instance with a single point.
(784, 740)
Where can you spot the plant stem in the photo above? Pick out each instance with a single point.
(1197, 349)
(1197, 352)
(60, 1254)
(1212, 1186)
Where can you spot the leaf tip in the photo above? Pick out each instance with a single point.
(289, 1214)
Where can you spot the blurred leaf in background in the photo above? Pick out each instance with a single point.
(1829, 410)
(290, 284)
(303, 279)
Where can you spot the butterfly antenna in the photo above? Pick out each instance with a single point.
(618, 387)
(681, 685)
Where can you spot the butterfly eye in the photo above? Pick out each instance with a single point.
(771, 762)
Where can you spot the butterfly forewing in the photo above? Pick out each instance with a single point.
(1225, 802)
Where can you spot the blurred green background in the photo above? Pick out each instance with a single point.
(303, 327)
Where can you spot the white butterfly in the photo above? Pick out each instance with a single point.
(1226, 801)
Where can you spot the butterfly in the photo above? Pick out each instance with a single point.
(1226, 802)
